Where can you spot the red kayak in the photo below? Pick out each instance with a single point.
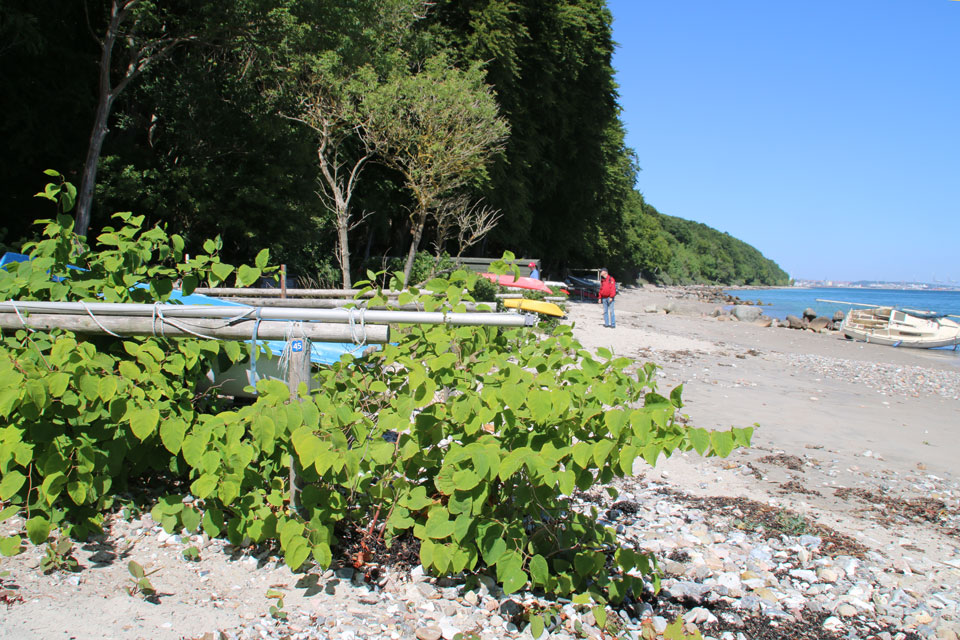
(518, 283)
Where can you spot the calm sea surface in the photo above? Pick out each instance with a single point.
(792, 301)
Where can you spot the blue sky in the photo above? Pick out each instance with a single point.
(826, 133)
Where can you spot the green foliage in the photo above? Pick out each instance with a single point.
(484, 290)
(690, 252)
(140, 583)
(81, 418)
(438, 127)
(276, 610)
(472, 439)
(59, 557)
(425, 266)
(63, 193)
(564, 172)
(676, 631)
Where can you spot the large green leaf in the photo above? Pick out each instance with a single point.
(700, 439)
(539, 570)
(514, 581)
(582, 452)
(10, 546)
(438, 525)
(601, 450)
(296, 552)
(221, 272)
(143, 422)
(247, 276)
(492, 549)
(722, 443)
(465, 479)
(204, 486)
(513, 461)
(307, 446)
(444, 480)
(171, 434)
(38, 529)
(264, 431)
(77, 490)
(322, 554)
(11, 483)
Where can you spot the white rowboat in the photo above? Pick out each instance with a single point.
(896, 328)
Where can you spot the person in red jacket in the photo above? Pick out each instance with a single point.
(608, 291)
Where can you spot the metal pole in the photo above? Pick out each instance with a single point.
(290, 293)
(202, 328)
(236, 313)
(331, 303)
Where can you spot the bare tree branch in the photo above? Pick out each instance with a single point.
(475, 223)
(328, 107)
(472, 222)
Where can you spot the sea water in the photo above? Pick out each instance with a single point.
(779, 303)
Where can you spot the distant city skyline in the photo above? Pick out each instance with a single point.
(904, 284)
(826, 134)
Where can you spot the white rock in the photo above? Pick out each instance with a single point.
(804, 574)
(730, 581)
(832, 624)
(828, 574)
(448, 630)
(700, 616)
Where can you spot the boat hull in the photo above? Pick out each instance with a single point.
(895, 328)
(546, 308)
(517, 283)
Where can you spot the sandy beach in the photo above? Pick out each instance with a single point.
(855, 446)
(803, 388)
(806, 392)
(859, 415)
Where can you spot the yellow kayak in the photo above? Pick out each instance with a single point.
(546, 308)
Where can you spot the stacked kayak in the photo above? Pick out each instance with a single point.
(537, 306)
(531, 284)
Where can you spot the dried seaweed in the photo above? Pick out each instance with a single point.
(783, 460)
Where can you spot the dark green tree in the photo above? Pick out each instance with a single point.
(438, 127)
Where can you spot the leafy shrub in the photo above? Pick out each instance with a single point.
(81, 418)
(484, 290)
(425, 266)
(472, 439)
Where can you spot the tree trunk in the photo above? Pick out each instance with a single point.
(89, 180)
(104, 104)
(417, 232)
(343, 249)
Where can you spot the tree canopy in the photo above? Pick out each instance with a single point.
(201, 137)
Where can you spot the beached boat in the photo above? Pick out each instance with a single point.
(896, 328)
(583, 287)
(517, 283)
(538, 306)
